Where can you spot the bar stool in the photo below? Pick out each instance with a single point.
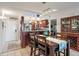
(33, 44)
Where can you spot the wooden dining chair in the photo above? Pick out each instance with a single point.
(58, 35)
(33, 44)
(42, 46)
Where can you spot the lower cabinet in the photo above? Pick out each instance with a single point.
(74, 40)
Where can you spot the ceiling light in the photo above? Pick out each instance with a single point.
(54, 10)
(40, 15)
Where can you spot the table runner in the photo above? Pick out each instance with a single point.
(62, 43)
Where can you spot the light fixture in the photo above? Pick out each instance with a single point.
(54, 10)
(40, 15)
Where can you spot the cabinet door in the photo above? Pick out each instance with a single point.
(65, 23)
(75, 24)
(78, 45)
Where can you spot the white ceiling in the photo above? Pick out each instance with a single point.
(38, 7)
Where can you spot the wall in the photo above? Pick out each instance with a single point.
(62, 14)
(0, 32)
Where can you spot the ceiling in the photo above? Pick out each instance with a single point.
(39, 7)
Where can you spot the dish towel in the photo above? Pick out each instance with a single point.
(62, 45)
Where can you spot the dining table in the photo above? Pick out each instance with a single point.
(53, 43)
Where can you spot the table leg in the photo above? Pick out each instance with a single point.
(68, 48)
(58, 53)
(51, 51)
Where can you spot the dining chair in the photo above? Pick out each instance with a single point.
(42, 46)
(33, 44)
(58, 35)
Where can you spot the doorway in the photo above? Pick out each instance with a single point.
(53, 27)
(11, 30)
(10, 35)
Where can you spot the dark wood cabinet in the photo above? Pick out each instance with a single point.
(70, 24)
(70, 31)
(66, 25)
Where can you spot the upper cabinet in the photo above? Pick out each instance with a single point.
(70, 24)
(66, 24)
(75, 24)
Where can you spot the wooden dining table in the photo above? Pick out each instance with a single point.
(52, 45)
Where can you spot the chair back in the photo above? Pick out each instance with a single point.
(33, 41)
(42, 44)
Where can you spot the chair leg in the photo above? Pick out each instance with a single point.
(31, 51)
(64, 52)
(56, 53)
(46, 53)
(34, 51)
(39, 52)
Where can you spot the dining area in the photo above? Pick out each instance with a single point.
(37, 29)
(46, 45)
(43, 39)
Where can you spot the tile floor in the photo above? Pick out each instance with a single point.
(26, 52)
(74, 53)
(18, 52)
(11, 45)
(14, 49)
